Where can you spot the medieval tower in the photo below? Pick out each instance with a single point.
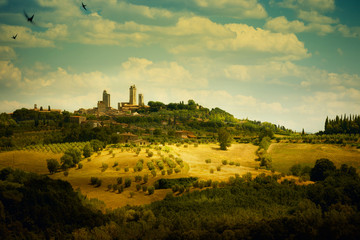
(106, 99)
(132, 95)
(141, 100)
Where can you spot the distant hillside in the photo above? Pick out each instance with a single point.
(158, 122)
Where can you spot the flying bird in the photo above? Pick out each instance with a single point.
(30, 19)
(14, 37)
(84, 6)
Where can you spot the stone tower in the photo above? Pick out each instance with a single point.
(132, 100)
(141, 99)
(106, 99)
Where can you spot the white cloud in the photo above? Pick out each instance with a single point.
(312, 11)
(7, 53)
(186, 34)
(233, 38)
(10, 76)
(25, 37)
(272, 71)
(160, 74)
(315, 17)
(353, 32)
(281, 24)
(319, 5)
(331, 103)
(233, 8)
(288, 73)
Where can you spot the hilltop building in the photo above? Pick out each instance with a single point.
(141, 100)
(104, 108)
(131, 105)
(132, 100)
(49, 109)
(104, 105)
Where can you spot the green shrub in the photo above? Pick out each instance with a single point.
(144, 188)
(153, 173)
(177, 170)
(151, 190)
(179, 161)
(87, 150)
(93, 180)
(211, 170)
(139, 166)
(237, 164)
(218, 168)
(127, 182)
(160, 164)
(169, 183)
(119, 180)
(104, 167)
(138, 187)
(224, 162)
(169, 171)
(150, 165)
(208, 160)
(170, 162)
(80, 166)
(96, 145)
(120, 189)
(163, 172)
(175, 188)
(53, 165)
(126, 169)
(231, 163)
(146, 178)
(138, 178)
(66, 173)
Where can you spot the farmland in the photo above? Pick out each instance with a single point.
(204, 161)
(284, 155)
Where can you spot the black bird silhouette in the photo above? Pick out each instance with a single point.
(84, 6)
(30, 19)
(14, 37)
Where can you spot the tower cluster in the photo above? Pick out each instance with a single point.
(131, 105)
(104, 106)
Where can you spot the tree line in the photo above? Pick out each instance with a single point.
(343, 125)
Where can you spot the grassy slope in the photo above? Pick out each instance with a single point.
(284, 155)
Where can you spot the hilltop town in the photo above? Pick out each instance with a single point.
(123, 108)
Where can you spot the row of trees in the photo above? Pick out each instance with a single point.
(343, 124)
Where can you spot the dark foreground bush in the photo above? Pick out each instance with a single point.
(35, 206)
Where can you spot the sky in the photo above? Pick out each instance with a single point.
(288, 62)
